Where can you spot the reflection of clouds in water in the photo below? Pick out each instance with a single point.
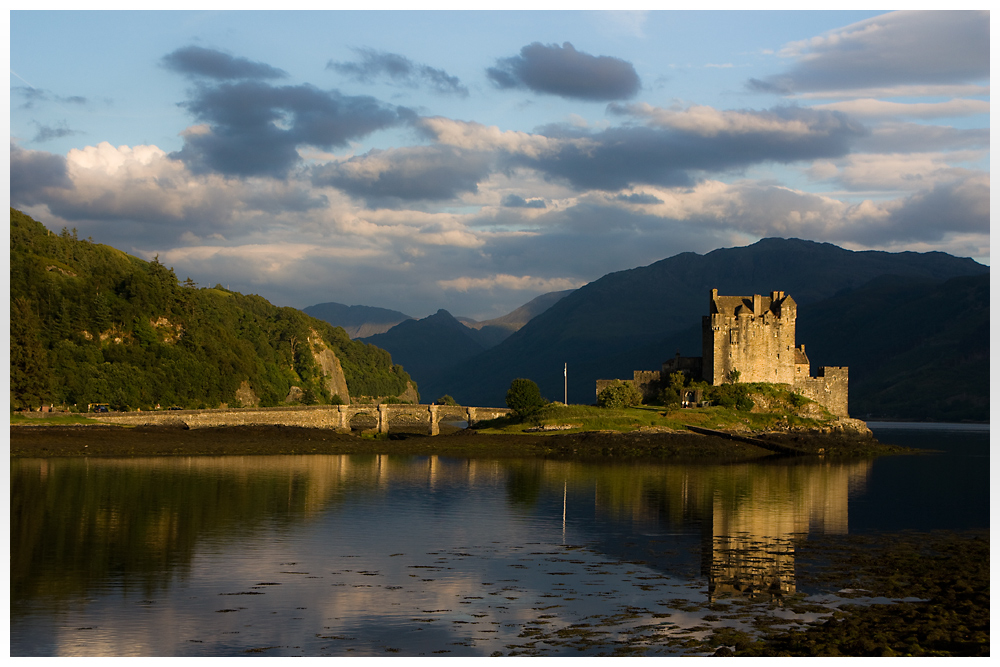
(430, 553)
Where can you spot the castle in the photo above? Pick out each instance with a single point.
(754, 335)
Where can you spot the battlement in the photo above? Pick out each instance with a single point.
(752, 334)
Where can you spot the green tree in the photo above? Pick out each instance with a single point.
(183, 346)
(524, 398)
(102, 314)
(446, 400)
(29, 368)
(669, 397)
(733, 396)
(619, 395)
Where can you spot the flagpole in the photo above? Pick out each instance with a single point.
(565, 386)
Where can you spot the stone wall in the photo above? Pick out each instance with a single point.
(649, 384)
(690, 366)
(828, 388)
(752, 334)
(338, 417)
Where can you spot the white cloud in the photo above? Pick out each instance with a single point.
(956, 90)
(872, 108)
(902, 172)
(630, 22)
(896, 49)
(477, 137)
(503, 281)
(707, 121)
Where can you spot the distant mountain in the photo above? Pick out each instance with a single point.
(517, 318)
(425, 347)
(430, 347)
(635, 319)
(495, 331)
(916, 347)
(357, 321)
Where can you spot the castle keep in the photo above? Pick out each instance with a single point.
(754, 335)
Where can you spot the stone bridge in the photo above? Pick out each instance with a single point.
(336, 417)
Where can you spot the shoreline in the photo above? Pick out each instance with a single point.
(102, 440)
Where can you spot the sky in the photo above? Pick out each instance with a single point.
(471, 161)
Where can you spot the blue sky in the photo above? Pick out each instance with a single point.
(474, 160)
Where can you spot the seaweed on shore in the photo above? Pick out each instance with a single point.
(940, 581)
(100, 440)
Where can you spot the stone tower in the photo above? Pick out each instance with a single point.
(754, 335)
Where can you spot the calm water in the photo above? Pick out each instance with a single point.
(400, 555)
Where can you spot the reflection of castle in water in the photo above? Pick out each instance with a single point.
(749, 514)
(750, 547)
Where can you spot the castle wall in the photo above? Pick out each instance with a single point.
(828, 388)
(754, 335)
(690, 366)
(648, 383)
(604, 384)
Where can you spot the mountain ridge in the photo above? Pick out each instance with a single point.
(357, 321)
(600, 327)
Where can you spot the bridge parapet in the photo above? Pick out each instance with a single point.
(335, 417)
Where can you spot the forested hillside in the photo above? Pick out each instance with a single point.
(92, 324)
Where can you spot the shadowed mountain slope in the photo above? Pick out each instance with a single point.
(635, 319)
(357, 321)
(424, 347)
(917, 348)
(495, 331)
(518, 317)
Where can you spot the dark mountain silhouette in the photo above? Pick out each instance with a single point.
(491, 333)
(357, 321)
(916, 347)
(518, 317)
(424, 347)
(429, 347)
(635, 319)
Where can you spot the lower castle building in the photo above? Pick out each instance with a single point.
(754, 335)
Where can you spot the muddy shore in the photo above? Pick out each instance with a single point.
(100, 440)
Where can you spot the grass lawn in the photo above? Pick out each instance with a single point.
(62, 420)
(590, 418)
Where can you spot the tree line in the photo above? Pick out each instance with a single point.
(91, 324)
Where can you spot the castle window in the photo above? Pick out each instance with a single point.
(734, 335)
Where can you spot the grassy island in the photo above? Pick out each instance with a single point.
(556, 430)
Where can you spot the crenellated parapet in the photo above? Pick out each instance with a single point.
(752, 334)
